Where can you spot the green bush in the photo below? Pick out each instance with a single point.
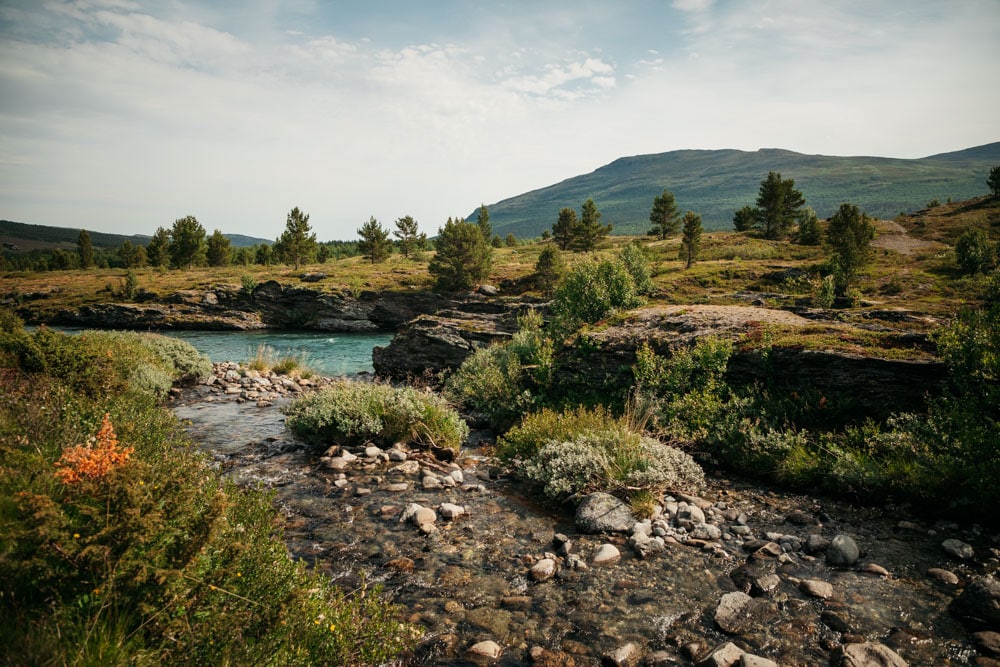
(535, 429)
(505, 380)
(591, 292)
(634, 259)
(358, 411)
(973, 251)
(153, 559)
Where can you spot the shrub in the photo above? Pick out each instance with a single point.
(358, 411)
(973, 251)
(524, 440)
(593, 291)
(826, 292)
(634, 259)
(549, 269)
(266, 360)
(505, 380)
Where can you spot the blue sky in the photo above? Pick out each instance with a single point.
(123, 115)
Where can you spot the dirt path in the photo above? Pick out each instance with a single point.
(892, 236)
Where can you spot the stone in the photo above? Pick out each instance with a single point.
(867, 654)
(408, 468)
(373, 452)
(601, 512)
(458, 476)
(543, 657)
(689, 516)
(943, 576)
(816, 588)
(706, 531)
(800, 518)
(958, 549)
(988, 642)
(430, 483)
(401, 564)
(751, 660)
(724, 655)
(397, 455)
(876, 569)
(484, 652)
(734, 613)
(451, 511)
(843, 551)
(606, 554)
(663, 659)
(979, 603)
(397, 487)
(623, 656)
(816, 544)
(335, 463)
(543, 570)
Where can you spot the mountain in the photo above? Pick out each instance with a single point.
(38, 237)
(715, 183)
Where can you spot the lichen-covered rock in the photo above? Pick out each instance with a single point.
(603, 513)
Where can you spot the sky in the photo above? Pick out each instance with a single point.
(123, 115)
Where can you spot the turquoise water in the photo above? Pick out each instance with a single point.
(324, 353)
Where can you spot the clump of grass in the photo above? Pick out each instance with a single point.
(266, 359)
(357, 411)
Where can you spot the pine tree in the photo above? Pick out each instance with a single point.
(590, 229)
(549, 268)
(993, 181)
(409, 238)
(218, 249)
(374, 244)
(85, 250)
(690, 238)
(463, 256)
(565, 228)
(157, 250)
(296, 244)
(778, 206)
(187, 243)
(809, 232)
(664, 216)
(849, 235)
(745, 219)
(483, 221)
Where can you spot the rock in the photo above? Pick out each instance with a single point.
(958, 549)
(689, 516)
(706, 531)
(868, 654)
(835, 622)
(816, 588)
(543, 570)
(401, 564)
(484, 652)
(979, 603)
(397, 487)
(602, 512)
(373, 452)
(751, 660)
(408, 468)
(458, 476)
(451, 511)
(988, 642)
(431, 483)
(312, 277)
(335, 463)
(623, 656)
(734, 613)
(724, 655)
(876, 569)
(800, 518)
(943, 576)
(397, 455)
(606, 554)
(663, 659)
(543, 657)
(843, 551)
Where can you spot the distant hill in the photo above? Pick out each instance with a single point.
(41, 237)
(716, 183)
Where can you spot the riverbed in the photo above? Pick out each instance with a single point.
(470, 579)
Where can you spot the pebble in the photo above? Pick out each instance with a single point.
(751, 660)
(451, 511)
(606, 554)
(543, 570)
(816, 588)
(958, 549)
(724, 655)
(866, 654)
(943, 576)
(484, 651)
(734, 612)
(843, 551)
(875, 568)
(623, 656)
(397, 455)
(397, 487)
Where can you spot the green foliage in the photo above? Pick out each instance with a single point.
(187, 243)
(809, 231)
(158, 248)
(408, 235)
(993, 181)
(359, 411)
(591, 292)
(132, 256)
(266, 359)
(590, 230)
(745, 219)
(691, 238)
(374, 244)
(85, 250)
(505, 380)
(218, 246)
(778, 206)
(483, 222)
(549, 269)
(973, 251)
(157, 560)
(849, 235)
(826, 292)
(296, 245)
(588, 450)
(664, 216)
(565, 228)
(510, 241)
(633, 258)
(463, 256)
(248, 285)
(130, 285)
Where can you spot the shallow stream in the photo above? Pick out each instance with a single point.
(469, 581)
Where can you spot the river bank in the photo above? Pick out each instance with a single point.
(741, 564)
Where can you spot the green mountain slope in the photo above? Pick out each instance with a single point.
(718, 182)
(32, 237)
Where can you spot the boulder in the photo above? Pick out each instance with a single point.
(979, 603)
(868, 654)
(958, 549)
(843, 551)
(603, 513)
(606, 554)
(735, 612)
(724, 655)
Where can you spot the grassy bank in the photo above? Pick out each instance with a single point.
(119, 545)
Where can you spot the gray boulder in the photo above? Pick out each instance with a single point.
(603, 513)
(843, 551)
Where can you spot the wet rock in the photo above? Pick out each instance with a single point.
(543, 657)
(663, 659)
(751, 660)
(397, 487)
(867, 654)
(543, 570)
(335, 463)
(800, 518)
(988, 642)
(623, 656)
(843, 551)
(958, 549)
(817, 589)
(373, 452)
(602, 512)
(724, 655)
(735, 612)
(493, 622)
(562, 544)
(408, 468)
(835, 622)
(876, 569)
(458, 476)
(483, 653)
(979, 603)
(944, 576)
(606, 554)
(451, 511)
(418, 515)
(767, 551)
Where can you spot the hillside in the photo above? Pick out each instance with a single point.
(715, 183)
(42, 237)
